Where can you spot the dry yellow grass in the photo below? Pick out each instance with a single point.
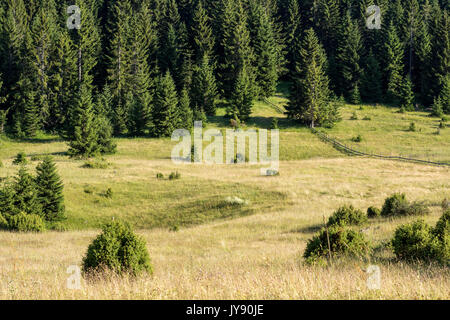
(253, 257)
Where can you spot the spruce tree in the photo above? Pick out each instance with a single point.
(309, 99)
(119, 64)
(423, 63)
(406, 95)
(186, 115)
(241, 102)
(441, 52)
(25, 193)
(50, 190)
(393, 64)
(105, 142)
(371, 81)
(204, 89)
(202, 35)
(348, 58)
(84, 141)
(264, 45)
(165, 107)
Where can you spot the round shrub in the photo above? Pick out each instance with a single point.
(415, 241)
(373, 212)
(347, 215)
(393, 203)
(23, 222)
(117, 248)
(343, 242)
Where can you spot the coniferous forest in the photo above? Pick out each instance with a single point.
(147, 67)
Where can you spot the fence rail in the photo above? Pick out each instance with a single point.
(343, 148)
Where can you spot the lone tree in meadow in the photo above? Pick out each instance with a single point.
(25, 194)
(309, 99)
(50, 190)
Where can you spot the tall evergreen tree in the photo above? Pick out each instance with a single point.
(25, 193)
(241, 102)
(84, 141)
(165, 107)
(264, 45)
(371, 80)
(203, 38)
(393, 64)
(309, 99)
(348, 58)
(186, 114)
(50, 190)
(204, 90)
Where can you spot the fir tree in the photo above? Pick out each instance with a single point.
(202, 33)
(204, 90)
(186, 114)
(394, 64)
(84, 140)
(264, 45)
(371, 81)
(348, 58)
(309, 99)
(50, 190)
(241, 102)
(105, 142)
(25, 193)
(406, 95)
(165, 112)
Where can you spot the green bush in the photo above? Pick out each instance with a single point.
(354, 116)
(159, 176)
(118, 249)
(23, 222)
(397, 205)
(415, 241)
(174, 176)
(347, 215)
(373, 212)
(358, 138)
(412, 127)
(343, 242)
(21, 158)
(274, 124)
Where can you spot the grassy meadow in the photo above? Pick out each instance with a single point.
(226, 251)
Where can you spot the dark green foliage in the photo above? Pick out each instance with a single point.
(274, 124)
(241, 102)
(165, 108)
(25, 193)
(418, 241)
(50, 191)
(393, 203)
(204, 90)
(118, 249)
(84, 139)
(159, 176)
(347, 216)
(412, 127)
(23, 222)
(398, 205)
(406, 95)
(97, 163)
(373, 212)
(124, 48)
(309, 99)
(174, 176)
(20, 159)
(357, 139)
(343, 243)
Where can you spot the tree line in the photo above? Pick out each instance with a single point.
(147, 67)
